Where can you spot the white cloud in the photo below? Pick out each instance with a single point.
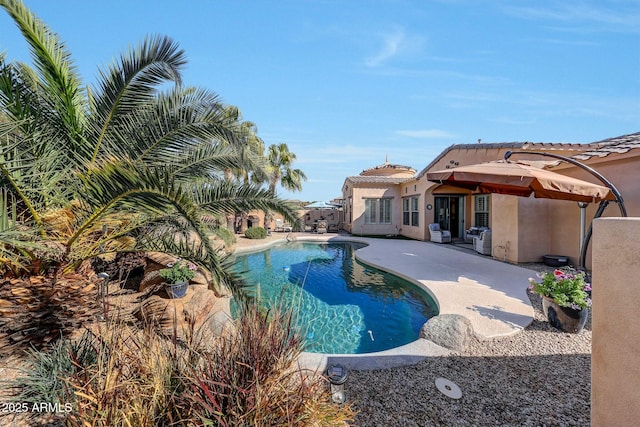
(394, 44)
(426, 134)
(391, 46)
(622, 16)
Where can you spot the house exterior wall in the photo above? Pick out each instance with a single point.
(372, 191)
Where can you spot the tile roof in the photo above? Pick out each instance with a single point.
(619, 144)
(468, 147)
(390, 166)
(376, 179)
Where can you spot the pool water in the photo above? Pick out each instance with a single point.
(342, 305)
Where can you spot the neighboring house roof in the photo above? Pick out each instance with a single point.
(399, 168)
(389, 170)
(620, 144)
(377, 179)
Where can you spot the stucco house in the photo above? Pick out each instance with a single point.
(395, 200)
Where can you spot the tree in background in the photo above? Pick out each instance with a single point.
(280, 161)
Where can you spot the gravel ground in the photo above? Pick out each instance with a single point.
(539, 377)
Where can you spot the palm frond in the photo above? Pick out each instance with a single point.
(228, 197)
(132, 82)
(59, 78)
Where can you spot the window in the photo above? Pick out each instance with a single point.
(410, 211)
(481, 210)
(377, 211)
(405, 211)
(414, 211)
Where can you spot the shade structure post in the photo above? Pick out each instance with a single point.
(583, 221)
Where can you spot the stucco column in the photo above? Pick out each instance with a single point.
(615, 359)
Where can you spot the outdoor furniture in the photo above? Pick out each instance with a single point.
(282, 226)
(322, 227)
(483, 243)
(438, 235)
(473, 233)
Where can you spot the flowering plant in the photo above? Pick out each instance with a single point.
(179, 271)
(566, 288)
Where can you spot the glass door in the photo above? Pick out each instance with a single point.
(449, 213)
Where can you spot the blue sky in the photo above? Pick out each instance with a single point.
(345, 83)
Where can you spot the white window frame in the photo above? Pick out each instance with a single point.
(378, 210)
(481, 206)
(411, 211)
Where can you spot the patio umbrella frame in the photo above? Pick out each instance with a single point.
(601, 207)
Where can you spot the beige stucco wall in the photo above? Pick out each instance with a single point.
(534, 228)
(615, 359)
(360, 194)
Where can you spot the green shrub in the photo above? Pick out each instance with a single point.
(255, 233)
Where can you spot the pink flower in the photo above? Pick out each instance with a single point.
(587, 287)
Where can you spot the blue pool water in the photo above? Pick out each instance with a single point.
(343, 305)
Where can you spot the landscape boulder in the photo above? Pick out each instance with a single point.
(452, 331)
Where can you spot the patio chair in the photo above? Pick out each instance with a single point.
(322, 227)
(279, 225)
(438, 235)
(483, 243)
(473, 233)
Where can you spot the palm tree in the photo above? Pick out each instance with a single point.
(254, 163)
(122, 166)
(280, 171)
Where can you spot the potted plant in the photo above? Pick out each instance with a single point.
(566, 298)
(177, 275)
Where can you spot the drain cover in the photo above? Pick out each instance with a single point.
(448, 388)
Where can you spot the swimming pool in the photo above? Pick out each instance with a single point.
(343, 305)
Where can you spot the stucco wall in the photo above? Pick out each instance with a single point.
(615, 359)
(360, 194)
(504, 238)
(534, 228)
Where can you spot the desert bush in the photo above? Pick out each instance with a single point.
(119, 375)
(255, 233)
(43, 378)
(250, 377)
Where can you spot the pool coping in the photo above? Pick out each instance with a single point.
(490, 293)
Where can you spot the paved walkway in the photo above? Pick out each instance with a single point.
(490, 293)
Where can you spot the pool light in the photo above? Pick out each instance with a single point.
(337, 376)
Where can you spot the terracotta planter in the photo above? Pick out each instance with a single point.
(176, 290)
(564, 318)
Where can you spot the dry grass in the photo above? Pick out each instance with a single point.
(119, 375)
